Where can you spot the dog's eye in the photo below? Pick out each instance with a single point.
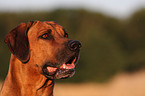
(44, 36)
(66, 35)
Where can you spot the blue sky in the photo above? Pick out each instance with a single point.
(119, 8)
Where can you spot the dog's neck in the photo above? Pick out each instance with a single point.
(21, 78)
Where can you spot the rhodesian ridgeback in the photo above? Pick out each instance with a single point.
(41, 53)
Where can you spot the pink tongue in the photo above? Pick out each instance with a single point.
(51, 70)
(67, 66)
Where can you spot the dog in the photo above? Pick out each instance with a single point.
(40, 53)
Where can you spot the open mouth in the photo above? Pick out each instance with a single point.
(64, 71)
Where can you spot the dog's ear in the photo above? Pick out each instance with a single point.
(17, 41)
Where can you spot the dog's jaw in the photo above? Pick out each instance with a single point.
(65, 70)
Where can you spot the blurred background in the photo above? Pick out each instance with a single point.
(112, 33)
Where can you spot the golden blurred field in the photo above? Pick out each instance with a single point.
(120, 85)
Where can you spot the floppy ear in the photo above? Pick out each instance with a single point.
(17, 42)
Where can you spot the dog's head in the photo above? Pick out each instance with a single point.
(46, 47)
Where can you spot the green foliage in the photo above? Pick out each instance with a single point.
(109, 45)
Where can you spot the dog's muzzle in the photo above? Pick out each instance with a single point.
(66, 69)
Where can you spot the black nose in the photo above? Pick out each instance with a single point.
(74, 45)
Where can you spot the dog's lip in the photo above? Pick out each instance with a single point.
(69, 65)
(64, 66)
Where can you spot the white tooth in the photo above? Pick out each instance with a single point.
(64, 67)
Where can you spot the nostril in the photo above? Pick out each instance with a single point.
(74, 45)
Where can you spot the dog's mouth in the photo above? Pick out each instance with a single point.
(64, 71)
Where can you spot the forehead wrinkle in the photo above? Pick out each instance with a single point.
(43, 28)
(54, 27)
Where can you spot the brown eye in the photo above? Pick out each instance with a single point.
(44, 36)
(66, 35)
